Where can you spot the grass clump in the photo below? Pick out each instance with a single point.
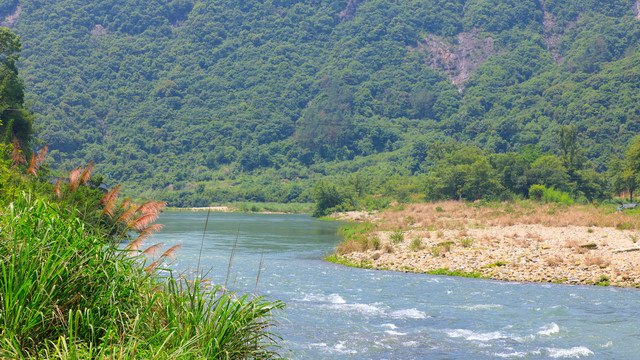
(447, 272)
(68, 293)
(495, 264)
(374, 243)
(341, 260)
(416, 244)
(445, 245)
(466, 242)
(603, 281)
(436, 251)
(396, 237)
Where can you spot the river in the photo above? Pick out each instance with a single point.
(336, 312)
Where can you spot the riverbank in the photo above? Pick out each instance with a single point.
(253, 207)
(522, 242)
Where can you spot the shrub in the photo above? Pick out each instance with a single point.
(536, 192)
(328, 197)
(556, 196)
(374, 243)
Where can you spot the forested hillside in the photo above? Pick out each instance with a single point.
(195, 102)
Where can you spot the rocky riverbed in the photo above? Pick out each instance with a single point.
(520, 252)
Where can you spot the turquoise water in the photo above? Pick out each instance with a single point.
(335, 312)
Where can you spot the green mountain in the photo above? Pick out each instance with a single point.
(205, 101)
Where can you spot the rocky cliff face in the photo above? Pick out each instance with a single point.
(552, 37)
(457, 61)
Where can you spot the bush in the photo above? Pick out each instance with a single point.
(536, 192)
(328, 199)
(550, 195)
(557, 196)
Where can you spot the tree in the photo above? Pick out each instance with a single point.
(571, 154)
(15, 121)
(549, 171)
(327, 197)
(631, 174)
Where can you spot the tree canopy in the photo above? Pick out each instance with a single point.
(258, 99)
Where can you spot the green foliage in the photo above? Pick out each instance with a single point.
(603, 281)
(222, 101)
(537, 192)
(447, 272)
(397, 237)
(67, 293)
(496, 264)
(466, 242)
(341, 260)
(556, 196)
(15, 122)
(328, 198)
(416, 244)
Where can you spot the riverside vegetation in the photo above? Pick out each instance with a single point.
(68, 291)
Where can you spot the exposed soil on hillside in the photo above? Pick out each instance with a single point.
(10, 20)
(457, 61)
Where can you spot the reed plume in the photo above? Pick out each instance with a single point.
(142, 222)
(42, 155)
(109, 201)
(86, 174)
(128, 214)
(56, 188)
(36, 161)
(136, 244)
(32, 166)
(171, 253)
(153, 266)
(149, 230)
(144, 235)
(17, 157)
(74, 177)
(152, 207)
(154, 249)
(127, 203)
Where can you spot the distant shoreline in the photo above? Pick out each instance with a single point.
(249, 208)
(204, 208)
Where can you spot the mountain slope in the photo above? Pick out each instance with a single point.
(168, 94)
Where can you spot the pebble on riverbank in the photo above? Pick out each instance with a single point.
(521, 252)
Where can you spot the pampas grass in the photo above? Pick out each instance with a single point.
(65, 294)
(17, 157)
(36, 161)
(109, 201)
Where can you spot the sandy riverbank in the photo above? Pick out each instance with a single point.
(504, 246)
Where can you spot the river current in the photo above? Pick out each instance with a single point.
(336, 312)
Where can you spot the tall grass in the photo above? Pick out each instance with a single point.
(66, 293)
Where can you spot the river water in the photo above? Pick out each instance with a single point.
(336, 312)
